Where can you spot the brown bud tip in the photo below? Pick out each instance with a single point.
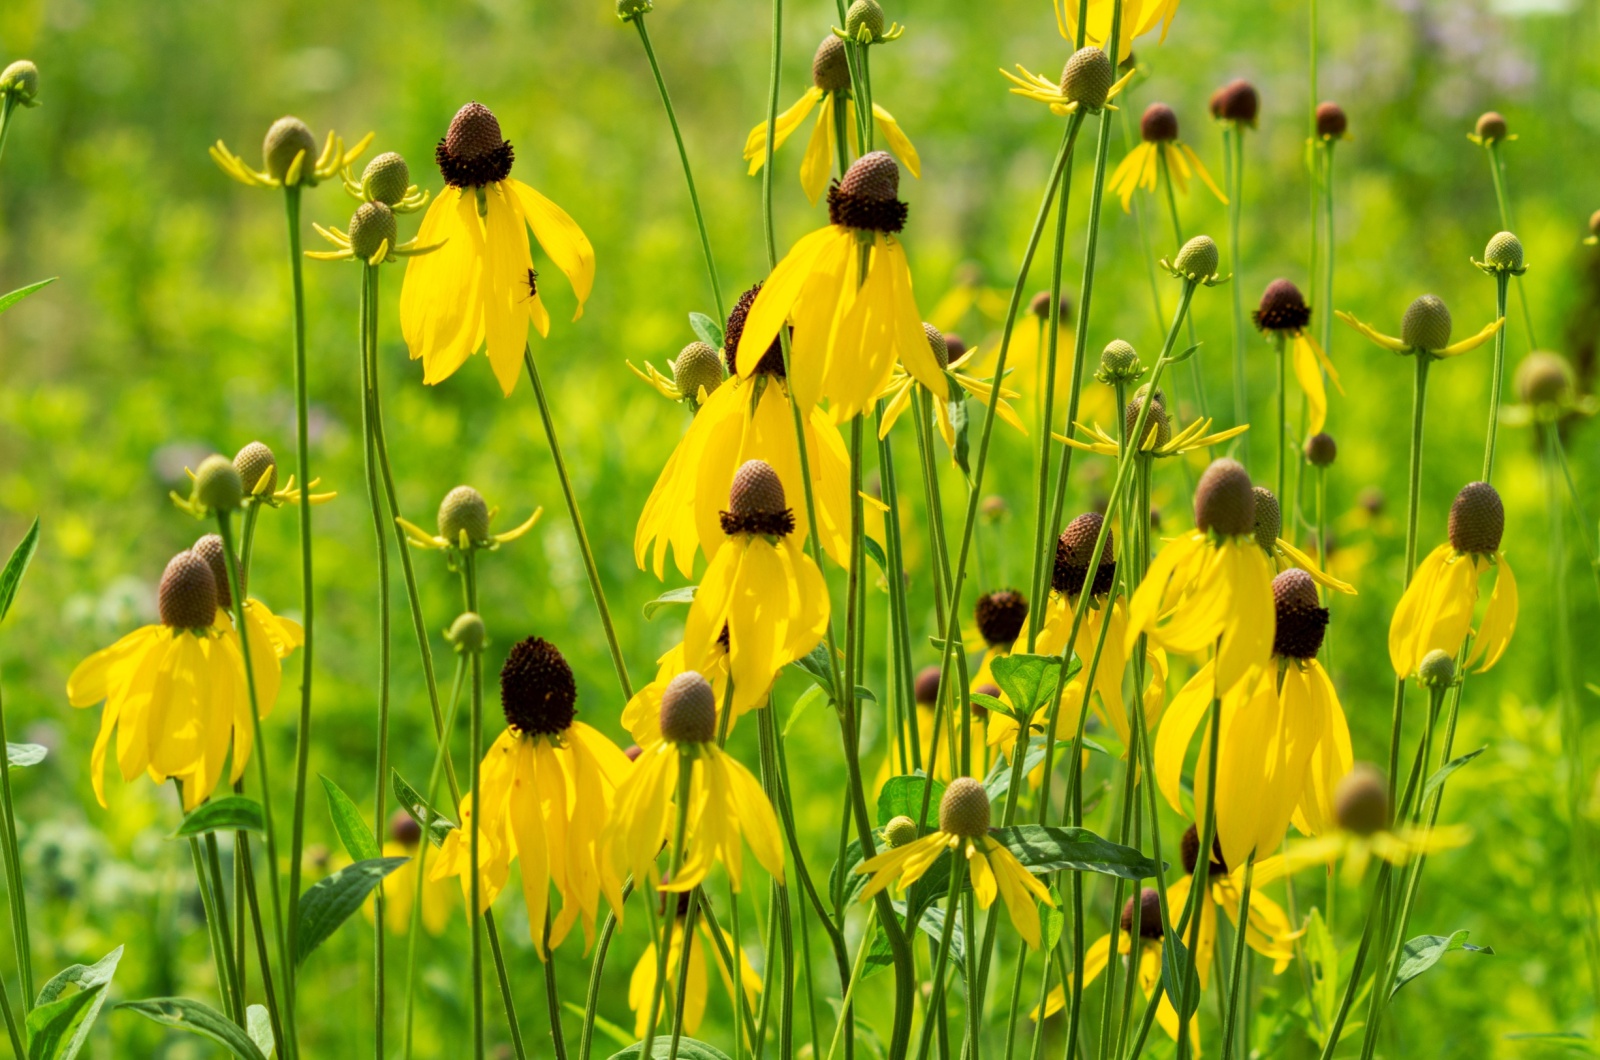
(287, 138)
(1302, 621)
(1361, 800)
(1269, 518)
(404, 829)
(1426, 325)
(1087, 78)
(209, 548)
(1159, 124)
(464, 508)
(955, 345)
(537, 690)
(964, 810)
(1148, 902)
(1491, 126)
(1000, 616)
(1224, 501)
(1040, 306)
(1321, 449)
(371, 227)
(474, 132)
(874, 176)
(1332, 122)
(1189, 849)
(1236, 101)
(252, 462)
(1371, 500)
(900, 830)
(1074, 550)
(1282, 308)
(1477, 519)
(756, 490)
(1544, 379)
(187, 598)
(830, 69)
(941, 348)
(689, 709)
(928, 685)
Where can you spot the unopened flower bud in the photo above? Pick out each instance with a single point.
(1199, 258)
(936, 342)
(928, 686)
(1236, 101)
(404, 829)
(900, 831)
(20, 80)
(466, 633)
(1544, 379)
(1269, 518)
(285, 140)
(386, 179)
(698, 365)
(1159, 124)
(1361, 800)
(864, 14)
(1426, 325)
(255, 462)
(1332, 122)
(1491, 126)
(372, 228)
(1504, 252)
(217, 486)
(1087, 78)
(464, 509)
(1321, 450)
(1437, 669)
(627, 10)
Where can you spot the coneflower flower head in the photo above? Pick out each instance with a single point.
(463, 511)
(1282, 309)
(927, 686)
(537, 690)
(1269, 518)
(1074, 550)
(1477, 519)
(1198, 260)
(1155, 423)
(1149, 905)
(1159, 124)
(211, 549)
(864, 21)
(628, 10)
(473, 152)
(1361, 801)
(1426, 324)
(1504, 253)
(938, 343)
(287, 139)
(1039, 306)
(689, 710)
(20, 81)
(1302, 621)
(404, 829)
(387, 179)
(964, 809)
(955, 347)
(1224, 500)
(1544, 379)
(698, 365)
(1491, 126)
(1087, 78)
(187, 598)
(1189, 850)
(1332, 122)
(756, 503)
(1321, 449)
(900, 831)
(1236, 101)
(867, 198)
(255, 462)
(372, 228)
(1119, 363)
(1437, 669)
(1000, 616)
(830, 67)
(771, 362)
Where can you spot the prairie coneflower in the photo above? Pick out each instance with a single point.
(642, 714)
(1074, 550)
(828, 95)
(1424, 330)
(1437, 608)
(290, 157)
(762, 596)
(401, 889)
(1087, 84)
(1211, 586)
(642, 984)
(1138, 18)
(1284, 315)
(1280, 553)
(846, 289)
(696, 374)
(546, 789)
(1160, 147)
(271, 638)
(998, 618)
(718, 800)
(480, 285)
(951, 361)
(463, 522)
(748, 417)
(964, 830)
(1160, 440)
(174, 693)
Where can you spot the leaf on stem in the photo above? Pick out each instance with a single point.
(25, 754)
(1424, 951)
(902, 797)
(1442, 774)
(58, 1027)
(17, 566)
(688, 1049)
(434, 823)
(682, 595)
(197, 1018)
(358, 841)
(329, 902)
(11, 298)
(1052, 849)
(231, 813)
(707, 329)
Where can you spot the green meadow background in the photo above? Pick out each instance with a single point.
(166, 337)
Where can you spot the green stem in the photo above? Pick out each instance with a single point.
(680, 830)
(1503, 199)
(1233, 154)
(1196, 379)
(770, 774)
(13, 869)
(469, 584)
(1497, 379)
(1419, 395)
(1327, 225)
(8, 104)
(958, 873)
(1235, 980)
(855, 976)
(1200, 888)
(217, 929)
(224, 926)
(1379, 889)
(1280, 341)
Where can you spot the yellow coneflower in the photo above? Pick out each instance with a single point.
(642, 983)
(1159, 130)
(746, 418)
(1211, 586)
(846, 289)
(696, 374)
(1436, 611)
(290, 157)
(1138, 18)
(964, 830)
(547, 789)
(952, 355)
(1280, 553)
(762, 601)
(480, 287)
(271, 637)
(258, 475)
(1087, 83)
(721, 802)
(828, 95)
(642, 714)
(401, 889)
(1425, 329)
(174, 693)
(1284, 315)
(1284, 739)
(463, 521)
(1160, 440)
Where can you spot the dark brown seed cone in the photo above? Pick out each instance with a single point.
(979, 711)
(936, 342)
(1283, 308)
(928, 686)
(1269, 518)
(1000, 616)
(1332, 122)
(964, 810)
(1321, 449)
(209, 548)
(830, 69)
(1149, 914)
(688, 709)
(537, 690)
(1236, 101)
(1189, 846)
(1477, 519)
(1159, 124)
(1074, 550)
(1361, 800)
(756, 503)
(187, 598)
(1040, 306)
(1224, 501)
(771, 362)
(404, 829)
(867, 198)
(954, 346)
(1491, 125)
(1302, 620)
(473, 153)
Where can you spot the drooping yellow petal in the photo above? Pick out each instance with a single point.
(1308, 372)
(817, 164)
(772, 306)
(559, 237)
(1471, 342)
(898, 141)
(1405, 629)
(1200, 171)
(1499, 618)
(1178, 725)
(755, 144)
(441, 311)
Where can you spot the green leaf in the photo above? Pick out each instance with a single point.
(11, 298)
(1053, 849)
(1442, 774)
(708, 330)
(1174, 963)
(1323, 957)
(688, 1049)
(58, 1027)
(875, 550)
(199, 1019)
(358, 842)
(601, 1024)
(258, 1024)
(815, 664)
(1424, 951)
(231, 813)
(682, 595)
(436, 824)
(902, 796)
(17, 566)
(25, 754)
(1179, 358)
(988, 702)
(329, 902)
(802, 703)
(1030, 680)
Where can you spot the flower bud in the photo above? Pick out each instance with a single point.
(1491, 126)
(928, 686)
(217, 486)
(900, 831)
(1039, 306)
(1119, 362)
(1361, 800)
(467, 634)
(1159, 124)
(864, 14)
(255, 462)
(964, 810)
(404, 829)
(372, 228)
(1269, 518)
(1437, 669)
(285, 140)
(1504, 252)
(628, 10)
(688, 709)
(698, 365)
(1544, 379)
(211, 549)
(1236, 101)
(937, 343)
(20, 80)
(1199, 258)
(1332, 122)
(1087, 78)
(386, 179)
(464, 509)
(1426, 325)
(1321, 450)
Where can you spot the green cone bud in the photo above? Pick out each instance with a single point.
(698, 365)
(1087, 78)
(864, 13)
(371, 228)
(253, 462)
(900, 831)
(1544, 379)
(284, 140)
(964, 810)
(21, 81)
(1504, 252)
(464, 508)
(1199, 258)
(217, 485)
(1437, 669)
(1426, 325)
(467, 633)
(386, 179)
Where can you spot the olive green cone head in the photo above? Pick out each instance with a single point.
(928, 686)
(688, 709)
(1119, 360)
(936, 342)
(1087, 78)
(1269, 518)
(698, 365)
(217, 485)
(964, 810)
(464, 508)
(1437, 669)
(209, 548)
(1199, 258)
(1477, 519)
(255, 462)
(900, 831)
(1148, 902)
(1504, 252)
(286, 139)
(1361, 800)
(538, 694)
(1491, 126)
(1155, 423)
(1000, 615)
(21, 80)
(1332, 122)
(1426, 325)
(187, 598)
(1224, 501)
(874, 176)
(864, 14)
(1321, 449)
(467, 634)
(1159, 124)
(386, 179)
(830, 68)
(627, 10)
(1544, 379)
(372, 227)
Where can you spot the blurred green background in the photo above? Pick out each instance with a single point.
(167, 337)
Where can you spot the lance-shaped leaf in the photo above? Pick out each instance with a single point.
(1424, 951)
(16, 567)
(25, 754)
(58, 1027)
(435, 824)
(358, 841)
(1050, 849)
(688, 1049)
(231, 813)
(329, 902)
(11, 298)
(681, 595)
(192, 1016)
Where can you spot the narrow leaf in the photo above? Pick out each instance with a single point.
(707, 329)
(682, 595)
(1174, 964)
(258, 1024)
(1323, 957)
(11, 298)
(815, 664)
(231, 813)
(184, 1014)
(436, 824)
(875, 550)
(1442, 774)
(1424, 951)
(358, 842)
(688, 1049)
(1053, 849)
(25, 754)
(802, 702)
(17, 566)
(58, 1028)
(329, 902)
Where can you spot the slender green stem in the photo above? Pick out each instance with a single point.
(1327, 225)
(855, 976)
(1280, 341)
(771, 773)
(13, 867)
(224, 926)
(1196, 379)
(958, 873)
(1380, 888)
(216, 928)
(1419, 395)
(1497, 170)
(1240, 952)
(577, 524)
(8, 104)
(1233, 154)
(274, 1014)
(1497, 379)
(680, 829)
(469, 582)
(1200, 888)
